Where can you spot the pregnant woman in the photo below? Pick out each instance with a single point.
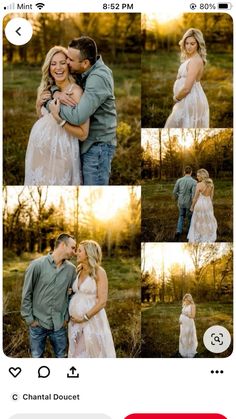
(203, 225)
(89, 331)
(188, 336)
(191, 108)
(53, 156)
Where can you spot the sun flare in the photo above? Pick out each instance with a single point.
(171, 253)
(163, 14)
(104, 202)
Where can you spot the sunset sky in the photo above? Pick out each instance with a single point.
(185, 136)
(173, 253)
(106, 201)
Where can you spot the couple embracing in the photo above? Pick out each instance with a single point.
(75, 102)
(195, 203)
(55, 295)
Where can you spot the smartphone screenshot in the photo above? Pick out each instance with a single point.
(117, 205)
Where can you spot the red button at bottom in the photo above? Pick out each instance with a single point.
(175, 416)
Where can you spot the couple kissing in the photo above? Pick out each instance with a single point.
(56, 294)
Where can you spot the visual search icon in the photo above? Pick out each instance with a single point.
(217, 339)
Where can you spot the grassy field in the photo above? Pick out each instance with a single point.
(160, 328)
(160, 211)
(123, 307)
(20, 86)
(159, 72)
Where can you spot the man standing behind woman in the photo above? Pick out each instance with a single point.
(97, 104)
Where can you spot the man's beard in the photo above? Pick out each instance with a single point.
(72, 71)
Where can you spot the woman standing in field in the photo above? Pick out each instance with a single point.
(89, 331)
(188, 337)
(203, 222)
(191, 108)
(52, 156)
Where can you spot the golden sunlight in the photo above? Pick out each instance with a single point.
(163, 14)
(185, 137)
(111, 201)
(171, 253)
(104, 202)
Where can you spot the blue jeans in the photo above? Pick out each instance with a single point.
(38, 337)
(96, 164)
(183, 213)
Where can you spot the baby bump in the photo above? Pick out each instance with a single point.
(44, 131)
(80, 303)
(179, 84)
(184, 319)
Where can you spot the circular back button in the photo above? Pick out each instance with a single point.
(18, 31)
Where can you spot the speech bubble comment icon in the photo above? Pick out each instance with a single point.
(43, 372)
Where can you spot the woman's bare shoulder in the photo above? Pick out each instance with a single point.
(77, 88)
(77, 91)
(197, 60)
(101, 273)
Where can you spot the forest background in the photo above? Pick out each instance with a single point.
(118, 38)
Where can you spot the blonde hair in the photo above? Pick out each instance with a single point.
(94, 255)
(189, 298)
(198, 36)
(205, 177)
(47, 80)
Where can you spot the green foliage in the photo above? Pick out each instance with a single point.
(123, 306)
(160, 328)
(160, 211)
(166, 152)
(209, 279)
(116, 35)
(20, 85)
(32, 221)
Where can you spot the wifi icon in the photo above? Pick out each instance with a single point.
(40, 5)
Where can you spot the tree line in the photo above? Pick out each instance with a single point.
(116, 34)
(33, 222)
(217, 29)
(210, 280)
(164, 157)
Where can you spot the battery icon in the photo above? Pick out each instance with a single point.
(226, 6)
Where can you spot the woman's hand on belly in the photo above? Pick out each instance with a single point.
(77, 319)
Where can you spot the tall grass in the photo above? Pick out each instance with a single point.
(123, 307)
(20, 86)
(160, 211)
(160, 328)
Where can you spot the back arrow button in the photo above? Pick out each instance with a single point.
(17, 31)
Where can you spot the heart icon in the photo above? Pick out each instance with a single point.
(15, 371)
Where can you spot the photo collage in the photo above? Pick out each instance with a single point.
(118, 186)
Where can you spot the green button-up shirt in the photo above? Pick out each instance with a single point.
(96, 103)
(184, 191)
(45, 292)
